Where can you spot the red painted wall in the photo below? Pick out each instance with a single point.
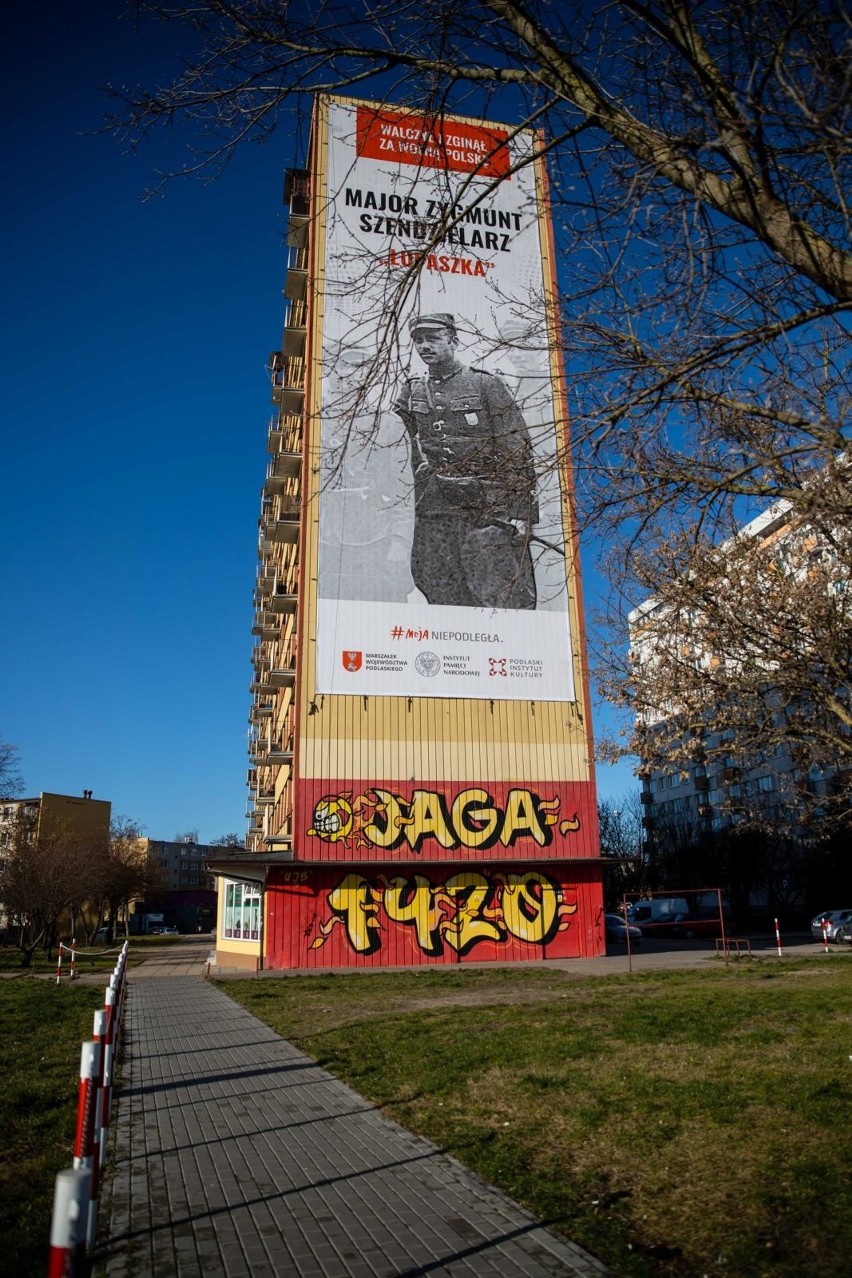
(445, 820)
(393, 915)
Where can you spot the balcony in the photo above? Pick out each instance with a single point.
(260, 710)
(282, 602)
(295, 329)
(271, 678)
(282, 677)
(297, 197)
(296, 279)
(277, 532)
(264, 797)
(260, 683)
(288, 382)
(266, 625)
(259, 655)
(282, 469)
(286, 433)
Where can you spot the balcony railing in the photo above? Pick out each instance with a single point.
(266, 625)
(288, 381)
(297, 197)
(286, 433)
(283, 470)
(295, 328)
(296, 279)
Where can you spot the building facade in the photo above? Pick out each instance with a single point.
(77, 817)
(421, 785)
(739, 747)
(183, 892)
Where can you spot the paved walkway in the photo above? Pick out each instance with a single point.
(235, 1155)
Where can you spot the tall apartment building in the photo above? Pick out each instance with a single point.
(421, 785)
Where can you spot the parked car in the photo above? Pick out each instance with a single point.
(843, 935)
(690, 927)
(656, 917)
(617, 930)
(168, 931)
(832, 920)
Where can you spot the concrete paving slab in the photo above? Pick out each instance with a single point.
(235, 1154)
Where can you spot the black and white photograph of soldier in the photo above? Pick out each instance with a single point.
(474, 479)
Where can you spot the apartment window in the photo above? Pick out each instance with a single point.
(242, 911)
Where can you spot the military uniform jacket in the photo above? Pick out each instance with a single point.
(470, 449)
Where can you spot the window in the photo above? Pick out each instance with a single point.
(242, 911)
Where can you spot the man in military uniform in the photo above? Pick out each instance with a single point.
(474, 479)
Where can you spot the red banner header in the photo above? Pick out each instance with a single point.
(430, 143)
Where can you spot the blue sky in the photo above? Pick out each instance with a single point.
(134, 411)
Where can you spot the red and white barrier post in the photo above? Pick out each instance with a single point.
(73, 959)
(825, 935)
(778, 939)
(67, 1256)
(108, 1039)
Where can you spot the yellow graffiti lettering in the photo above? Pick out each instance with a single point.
(529, 906)
(413, 901)
(426, 817)
(474, 817)
(352, 902)
(385, 828)
(468, 892)
(549, 811)
(522, 818)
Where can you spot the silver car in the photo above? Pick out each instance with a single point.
(827, 923)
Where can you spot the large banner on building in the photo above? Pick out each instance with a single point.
(442, 547)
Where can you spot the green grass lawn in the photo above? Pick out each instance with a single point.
(682, 1123)
(43, 1029)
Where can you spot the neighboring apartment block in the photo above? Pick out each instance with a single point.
(730, 781)
(49, 815)
(421, 784)
(183, 893)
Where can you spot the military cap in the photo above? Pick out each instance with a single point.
(438, 320)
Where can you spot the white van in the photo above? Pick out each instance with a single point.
(661, 909)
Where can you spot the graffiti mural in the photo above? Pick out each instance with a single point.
(464, 910)
(383, 819)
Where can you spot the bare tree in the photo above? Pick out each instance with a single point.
(744, 654)
(39, 884)
(699, 155)
(122, 874)
(228, 841)
(11, 781)
(630, 869)
(700, 162)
